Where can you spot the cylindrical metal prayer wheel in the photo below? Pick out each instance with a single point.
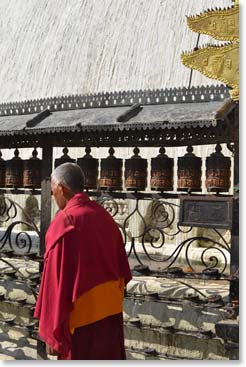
(32, 171)
(2, 170)
(189, 171)
(218, 171)
(111, 172)
(161, 172)
(64, 158)
(89, 166)
(136, 172)
(14, 171)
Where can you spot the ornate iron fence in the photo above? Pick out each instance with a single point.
(154, 240)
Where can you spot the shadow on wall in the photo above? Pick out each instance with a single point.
(31, 212)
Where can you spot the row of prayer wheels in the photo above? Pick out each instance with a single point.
(218, 171)
(16, 172)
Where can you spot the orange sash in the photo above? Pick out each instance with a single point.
(99, 302)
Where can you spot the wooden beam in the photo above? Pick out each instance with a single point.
(47, 157)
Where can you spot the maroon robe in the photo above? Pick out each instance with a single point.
(84, 248)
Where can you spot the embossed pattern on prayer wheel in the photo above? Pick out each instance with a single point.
(136, 172)
(64, 158)
(161, 172)
(32, 171)
(218, 171)
(2, 170)
(189, 171)
(111, 172)
(14, 171)
(89, 166)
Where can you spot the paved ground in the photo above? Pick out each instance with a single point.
(15, 345)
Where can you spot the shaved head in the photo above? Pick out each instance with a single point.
(69, 175)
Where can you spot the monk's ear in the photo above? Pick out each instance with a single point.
(60, 189)
(64, 190)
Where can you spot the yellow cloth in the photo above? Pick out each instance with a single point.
(99, 302)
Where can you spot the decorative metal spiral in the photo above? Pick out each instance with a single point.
(214, 259)
(216, 246)
(110, 205)
(161, 215)
(21, 240)
(160, 244)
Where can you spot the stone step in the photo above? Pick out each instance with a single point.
(174, 345)
(178, 320)
(158, 301)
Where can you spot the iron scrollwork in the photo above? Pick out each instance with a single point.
(21, 240)
(148, 236)
(152, 236)
(18, 243)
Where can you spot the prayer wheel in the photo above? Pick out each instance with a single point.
(89, 166)
(136, 172)
(2, 170)
(32, 171)
(64, 158)
(189, 171)
(162, 172)
(111, 172)
(218, 171)
(14, 171)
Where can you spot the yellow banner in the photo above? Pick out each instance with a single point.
(222, 24)
(216, 62)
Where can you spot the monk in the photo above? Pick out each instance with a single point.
(86, 268)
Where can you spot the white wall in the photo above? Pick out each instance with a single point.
(59, 47)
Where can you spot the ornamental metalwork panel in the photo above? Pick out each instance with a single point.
(155, 241)
(158, 245)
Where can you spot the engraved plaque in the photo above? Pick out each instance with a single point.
(205, 211)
